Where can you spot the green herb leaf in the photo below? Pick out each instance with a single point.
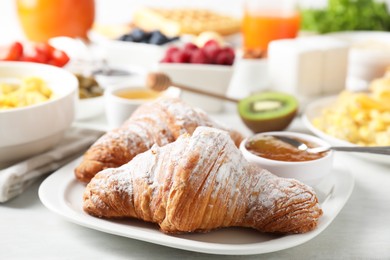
(347, 15)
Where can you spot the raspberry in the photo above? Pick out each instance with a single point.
(225, 57)
(166, 59)
(181, 56)
(169, 53)
(212, 43)
(199, 57)
(212, 53)
(190, 46)
(212, 50)
(229, 50)
(171, 50)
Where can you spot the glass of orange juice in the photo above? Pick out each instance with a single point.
(44, 19)
(267, 20)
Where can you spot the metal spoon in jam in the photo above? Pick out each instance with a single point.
(273, 148)
(320, 149)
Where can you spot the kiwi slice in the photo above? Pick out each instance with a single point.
(268, 111)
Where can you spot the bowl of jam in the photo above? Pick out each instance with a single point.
(286, 160)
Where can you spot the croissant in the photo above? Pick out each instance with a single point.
(200, 183)
(159, 122)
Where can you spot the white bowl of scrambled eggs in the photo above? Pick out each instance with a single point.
(353, 119)
(37, 106)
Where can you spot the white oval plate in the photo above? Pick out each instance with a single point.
(62, 193)
(314, 109)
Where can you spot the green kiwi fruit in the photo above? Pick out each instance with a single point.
(268, 111)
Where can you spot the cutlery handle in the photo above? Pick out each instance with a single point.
(376, 150)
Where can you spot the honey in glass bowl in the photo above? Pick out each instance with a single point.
(45, 19)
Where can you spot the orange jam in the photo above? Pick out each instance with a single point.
(272, 148)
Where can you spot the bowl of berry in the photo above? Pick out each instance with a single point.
(208, 67)
(136, 47)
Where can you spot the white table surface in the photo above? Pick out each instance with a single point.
(30, 231)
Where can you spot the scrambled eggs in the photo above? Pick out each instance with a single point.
(30, 91)
(361, 118)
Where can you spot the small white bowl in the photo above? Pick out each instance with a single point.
(123, 53)
(211, 78)
(135, 74)
(309, 172)
(119, 109)
(30, 130)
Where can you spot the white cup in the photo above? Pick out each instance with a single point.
(118, 109)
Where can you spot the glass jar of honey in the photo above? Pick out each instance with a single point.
(44, 19)
(266, 20)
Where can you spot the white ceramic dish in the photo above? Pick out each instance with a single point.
(368, 57)
(314, 109)
(206, 77)
(33, 129)
(309, 172)
(121, 53)
(62, 193)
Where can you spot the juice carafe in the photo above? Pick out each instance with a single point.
(44, 19)
(267, 20)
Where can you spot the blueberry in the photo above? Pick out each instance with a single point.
(158, 38)
(122, 37)
(144, 40)
(138, 35)
(173, 39)
(129, 38)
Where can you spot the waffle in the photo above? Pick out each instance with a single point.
(174, 22)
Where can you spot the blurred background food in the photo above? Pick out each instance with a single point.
(88, 86)
(23, 92)
(179, 21)
(142, 36)
(270, 45)
(362, 118)
(347, 15)
(40, 52)
(38, 112)
(44, 19)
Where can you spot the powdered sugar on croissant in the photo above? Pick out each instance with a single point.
(199, 183)
(159, 122)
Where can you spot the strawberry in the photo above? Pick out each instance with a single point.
(59, 58)
(12, 52)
